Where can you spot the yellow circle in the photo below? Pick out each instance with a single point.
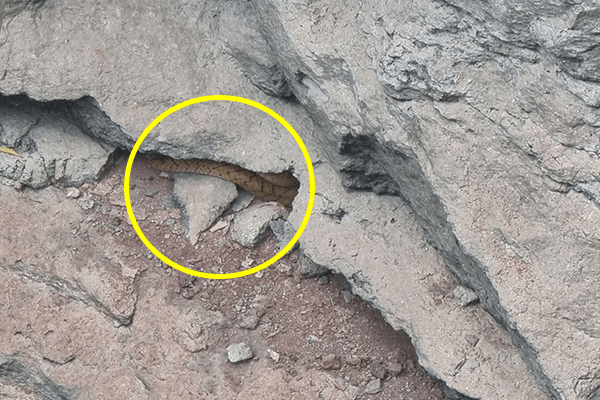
(282, 252)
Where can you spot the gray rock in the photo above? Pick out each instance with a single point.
(73, 193)
(323, 280)
(273, 355)
(435, 129)
(464, 295)
(347, 295)
(331, 361)
(85, 202)
(202, 199)
(54, 149)
(242, 201)
(373, 387)
(250, 225)
(239, 352)
(284, 269)
(249, 319)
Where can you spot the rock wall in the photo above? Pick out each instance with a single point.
(454, 143)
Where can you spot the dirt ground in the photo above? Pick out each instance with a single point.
(301, 330)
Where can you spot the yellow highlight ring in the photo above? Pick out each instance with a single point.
(282, 252)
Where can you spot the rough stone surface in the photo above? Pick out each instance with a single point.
(202, 200)
(310, 268)
(53, 150)
(283, 231)
(239, 352)
(454, 143)
(250, 225)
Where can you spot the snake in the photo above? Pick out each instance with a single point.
(281, 187)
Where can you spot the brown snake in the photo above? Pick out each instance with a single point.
(281, 187)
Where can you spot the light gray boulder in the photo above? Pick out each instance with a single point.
(202, 199)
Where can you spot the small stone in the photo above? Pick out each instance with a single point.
(285, 269)
(347, 295)
(249, 320)
(252, 223)
(259, 274)
(273, 354)
(73, 193)
(218, 226)
(395, 369)
(331, 361)
(312, 338)
(247, 262)
(353, 360)
(464, 295)
(85, 202)
(242, 201)
(373, 387)
(150, 192)
(323, 280)
(239, 352)
(102, 189)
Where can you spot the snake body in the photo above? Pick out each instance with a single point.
(281, 187)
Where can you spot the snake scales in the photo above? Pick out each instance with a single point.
(281, 187)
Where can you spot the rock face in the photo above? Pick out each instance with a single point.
(454, 143)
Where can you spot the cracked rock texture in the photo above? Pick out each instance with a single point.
(454, 143)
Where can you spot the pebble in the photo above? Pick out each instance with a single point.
(150, 192)
(331, 361)
(285, 269)
(85, 202)
(249, 320)
(73, 193)
(464, 295)
(239, 352)
(347, 295)
(312, 338)
(247, 262)
(218, 226)
(353, 360)
(395, 369)
(373, 387)
(323, 280)
(273, 354)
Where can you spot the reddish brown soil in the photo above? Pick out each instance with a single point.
(310, 325)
